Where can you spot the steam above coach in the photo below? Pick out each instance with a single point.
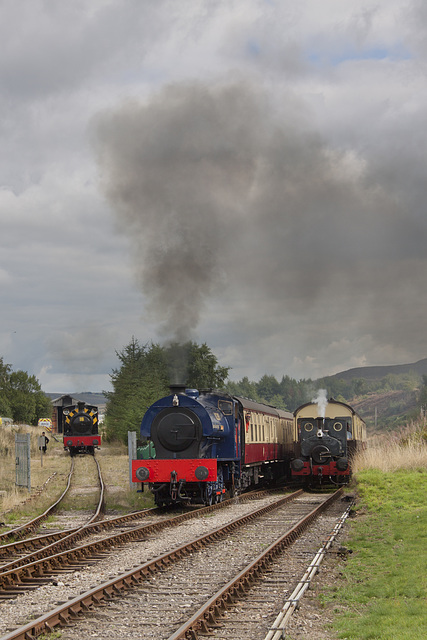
(204, 443)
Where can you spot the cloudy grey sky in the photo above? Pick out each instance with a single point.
(246, 173)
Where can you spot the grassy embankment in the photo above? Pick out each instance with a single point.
(18, 505)
(382, 592)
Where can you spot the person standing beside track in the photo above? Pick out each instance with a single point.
(45, 442)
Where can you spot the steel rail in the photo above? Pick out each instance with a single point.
(292, 603)
(87, 529)
(101, 502)
(30, 526)
(211, 611)
(37, 542)
(16, 576)
(58, 553)
(63, 536)
(104, 592)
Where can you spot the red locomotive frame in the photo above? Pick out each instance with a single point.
(320, 470)
(161, 470)
(82, 441)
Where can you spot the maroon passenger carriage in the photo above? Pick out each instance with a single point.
(268, 437)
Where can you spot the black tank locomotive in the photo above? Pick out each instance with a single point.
(80, 428)
(326, 441)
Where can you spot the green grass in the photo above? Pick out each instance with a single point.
(383, 587)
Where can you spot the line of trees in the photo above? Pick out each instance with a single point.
(21, 396)
(289, 394)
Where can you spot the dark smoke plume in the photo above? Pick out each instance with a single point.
(178, 170)
(227, 196)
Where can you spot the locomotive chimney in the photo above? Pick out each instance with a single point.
(177, 389)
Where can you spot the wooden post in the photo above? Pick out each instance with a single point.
(132, 456)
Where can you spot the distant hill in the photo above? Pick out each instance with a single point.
(384, 408)
(376, 373)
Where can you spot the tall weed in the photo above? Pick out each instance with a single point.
(403, 449)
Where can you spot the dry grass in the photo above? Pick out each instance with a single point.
(406, 449)
(17, 503)
(49, 479)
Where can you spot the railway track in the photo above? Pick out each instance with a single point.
(29, 527)
(24, 550)
(36, 568)
(18, 533)
(258, 602)
(191, 576)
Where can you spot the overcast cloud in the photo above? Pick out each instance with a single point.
(245, 173)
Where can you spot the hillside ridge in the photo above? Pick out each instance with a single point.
(381, 371)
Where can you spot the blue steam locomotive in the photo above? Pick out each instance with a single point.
(203, 444)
